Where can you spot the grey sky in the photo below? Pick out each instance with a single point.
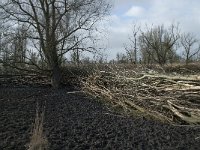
(157, 12)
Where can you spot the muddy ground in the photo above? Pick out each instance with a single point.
(74, 120)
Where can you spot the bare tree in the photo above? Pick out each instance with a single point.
(75, 56)
(53, 24)
(100, 57)
(190, 45)
(121, 58)
(145, 52)
(3, 45)
(19, 45)
(159, 42)
(132, 48)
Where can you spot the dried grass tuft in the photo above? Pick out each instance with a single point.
(38, 140)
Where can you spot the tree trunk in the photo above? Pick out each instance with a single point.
(56, 76)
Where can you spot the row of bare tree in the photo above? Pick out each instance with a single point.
(160, 45)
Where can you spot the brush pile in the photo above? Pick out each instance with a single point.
(168, 97)
(24, 80)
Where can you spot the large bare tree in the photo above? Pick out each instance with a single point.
(53, 25)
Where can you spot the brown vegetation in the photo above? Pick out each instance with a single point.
(38, 140)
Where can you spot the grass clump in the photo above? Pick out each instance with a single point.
(38, 140)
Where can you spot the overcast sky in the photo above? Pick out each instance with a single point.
(127, 12)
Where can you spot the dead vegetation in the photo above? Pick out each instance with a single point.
(38, 140)
(173, 97)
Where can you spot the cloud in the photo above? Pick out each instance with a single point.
(135, 11)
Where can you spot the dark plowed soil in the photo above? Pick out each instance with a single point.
(76, 121)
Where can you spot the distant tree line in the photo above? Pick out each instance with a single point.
(160, 45)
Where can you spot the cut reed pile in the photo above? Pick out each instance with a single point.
(171, 98)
